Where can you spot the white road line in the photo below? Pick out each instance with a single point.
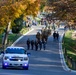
(21, 37)
(65, 67)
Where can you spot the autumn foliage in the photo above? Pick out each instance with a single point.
(11, 9)
(64, 9)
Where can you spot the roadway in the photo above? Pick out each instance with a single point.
(44, 62)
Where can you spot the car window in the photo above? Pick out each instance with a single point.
(15, 51)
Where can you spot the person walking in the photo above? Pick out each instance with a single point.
(36, 45)
(57, 36)
(44, 44)
(32, 44)
(40, 44)
(54, 35)
(28, 44)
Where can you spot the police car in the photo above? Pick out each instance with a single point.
(15, 57)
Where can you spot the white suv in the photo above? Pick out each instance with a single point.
(15, 57)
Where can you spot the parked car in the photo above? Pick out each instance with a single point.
(16, 57)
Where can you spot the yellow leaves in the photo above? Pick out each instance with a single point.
(11, 9)
(4, 9)
(22, 7)
(33, 8)
(37, 8)
(2, 19)
(16, 15)
(15, 10)
(32, 1)
(24, 18)
(19, 11)
(28, 12)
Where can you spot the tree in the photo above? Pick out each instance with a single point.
(12, 9)
(17, 25)
(42, 4)
(65, 9)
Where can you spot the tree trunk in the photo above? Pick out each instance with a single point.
(5, 37)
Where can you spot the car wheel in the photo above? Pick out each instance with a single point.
(25, 68)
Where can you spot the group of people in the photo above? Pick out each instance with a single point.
(39, 44)
(56, 35)
(35, 44)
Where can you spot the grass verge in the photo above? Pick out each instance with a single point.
(13, 37)
(69, 44)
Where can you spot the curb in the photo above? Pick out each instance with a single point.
(21, 37)
(64, 65)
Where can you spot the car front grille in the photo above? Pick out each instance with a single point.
(16, 59)
(13, 59)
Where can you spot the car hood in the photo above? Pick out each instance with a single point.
(16, 55)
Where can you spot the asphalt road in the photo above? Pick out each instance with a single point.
(44, 62)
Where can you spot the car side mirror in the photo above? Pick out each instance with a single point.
(28, 54)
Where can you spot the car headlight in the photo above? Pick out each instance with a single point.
(6, 58)
(25, 58)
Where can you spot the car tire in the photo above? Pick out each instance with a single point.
(25, 68)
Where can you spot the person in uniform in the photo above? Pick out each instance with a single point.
(36, 45)
(40, 44)
(28, 44)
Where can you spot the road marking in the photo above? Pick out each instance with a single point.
(65, 67)
(61, 54)
(21, 37)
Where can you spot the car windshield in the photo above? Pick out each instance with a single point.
(15, 51)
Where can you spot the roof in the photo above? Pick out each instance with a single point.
(16, 47)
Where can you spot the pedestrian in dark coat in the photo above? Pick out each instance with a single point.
(36, 45)
(54, 35)
(32, 44)
(57, 36)
(40, 44)
(28, 43)
(44, 44)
